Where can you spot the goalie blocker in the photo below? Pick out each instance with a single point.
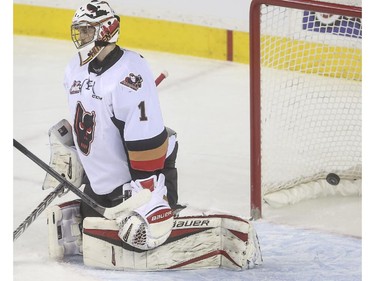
(199, 239)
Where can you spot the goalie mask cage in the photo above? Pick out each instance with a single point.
(305, 100)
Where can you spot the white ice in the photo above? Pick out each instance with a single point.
(207, 103)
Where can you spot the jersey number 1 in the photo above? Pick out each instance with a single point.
(142, 108)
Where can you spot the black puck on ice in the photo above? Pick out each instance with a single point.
(333, 179)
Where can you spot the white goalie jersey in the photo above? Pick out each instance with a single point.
(120, 101)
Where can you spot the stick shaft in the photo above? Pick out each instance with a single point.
(128, 205)
(89, 201)
(38, 210)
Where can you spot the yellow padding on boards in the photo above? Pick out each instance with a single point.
(307, 57)
(173, 37)
(134, 33)
(42, 21)
(194, 40)
(241, 51)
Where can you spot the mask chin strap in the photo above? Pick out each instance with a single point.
(88, 55)
(94, 52)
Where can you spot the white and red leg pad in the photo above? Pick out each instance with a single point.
(198, 240)
(64, 230)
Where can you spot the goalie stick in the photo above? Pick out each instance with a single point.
(110, 213)
(38, 210)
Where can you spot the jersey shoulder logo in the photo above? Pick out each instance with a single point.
(75, 88)
(133, 81)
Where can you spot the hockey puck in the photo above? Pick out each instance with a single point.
(333, 179)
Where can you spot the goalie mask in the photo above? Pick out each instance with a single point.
(94, 26)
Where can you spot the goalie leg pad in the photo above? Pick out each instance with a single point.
(198, 241)
(64, 230)
(234, 230)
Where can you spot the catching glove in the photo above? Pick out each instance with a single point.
(150, 225)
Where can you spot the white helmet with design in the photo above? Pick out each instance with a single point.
(94, 26)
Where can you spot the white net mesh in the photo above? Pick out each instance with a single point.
(356, 3)
(310, 96)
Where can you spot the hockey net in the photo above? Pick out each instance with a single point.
(305, 93)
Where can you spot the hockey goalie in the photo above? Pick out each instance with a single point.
(117, 147)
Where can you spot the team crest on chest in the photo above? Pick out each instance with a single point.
(133, 81)
(84, 128)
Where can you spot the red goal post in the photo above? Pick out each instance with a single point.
(332, 58)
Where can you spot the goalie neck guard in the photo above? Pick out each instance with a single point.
(94, 26)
